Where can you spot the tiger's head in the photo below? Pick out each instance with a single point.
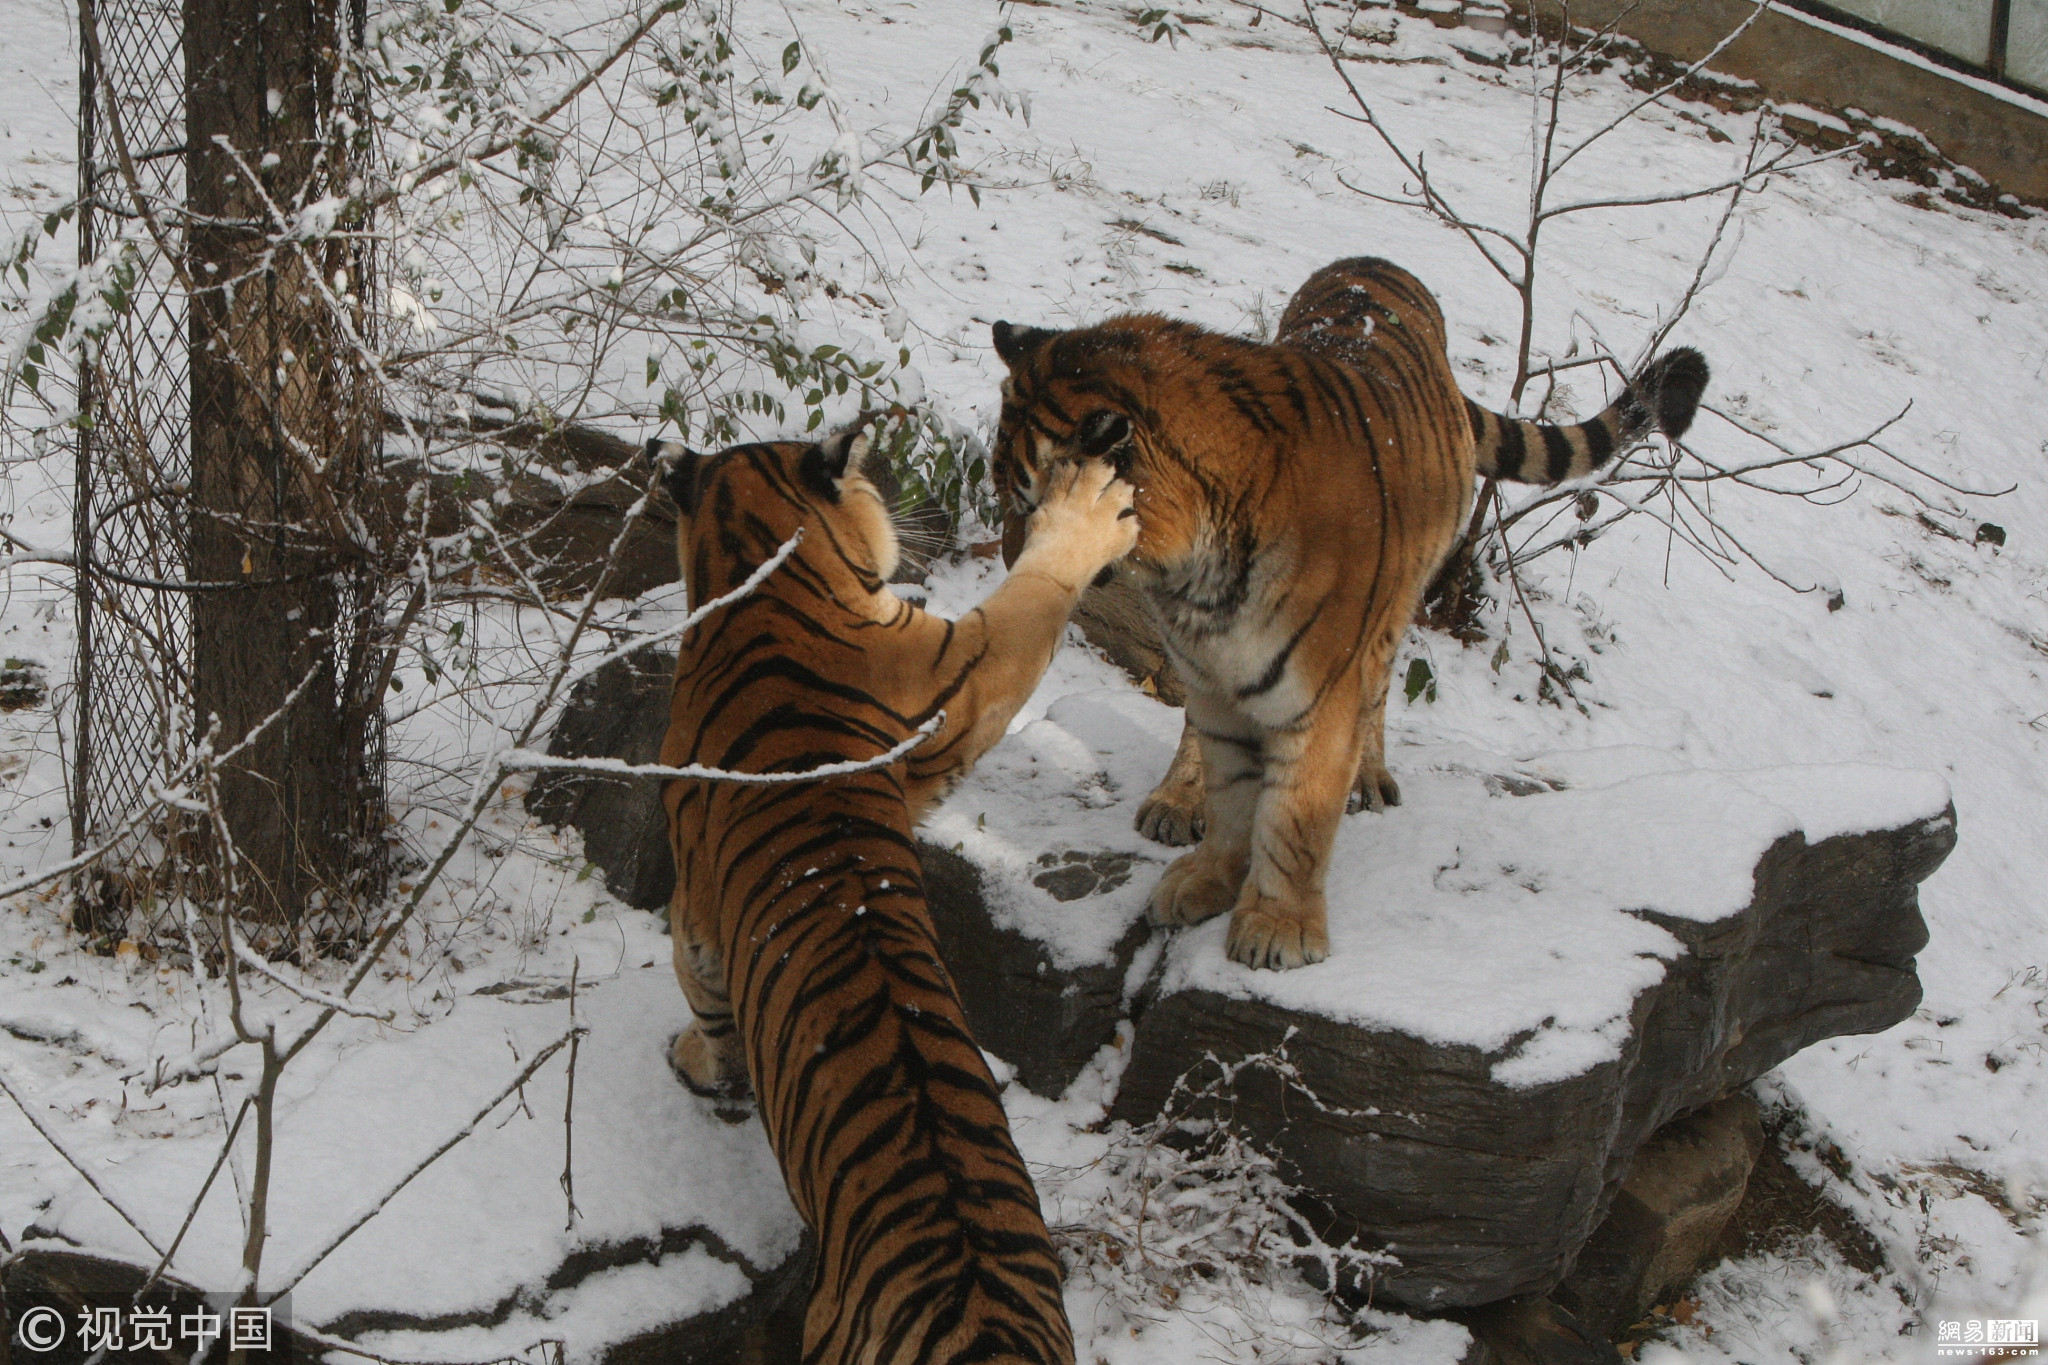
(1086, 394)
(736, 508)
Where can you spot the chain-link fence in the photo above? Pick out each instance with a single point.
(133, 669)
(226, 504)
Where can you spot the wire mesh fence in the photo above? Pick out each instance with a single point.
(133, 675)
(225, 527)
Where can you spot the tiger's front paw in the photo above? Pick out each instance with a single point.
(708, 1068)
(1085, 522)
(1195, 887)
(1266, 932)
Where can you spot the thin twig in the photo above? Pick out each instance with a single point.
(454, 161)
(193, 1064)
(1674, 83)
(569, 1104)
(1764, 172)
(1837, 451)
(526, 761)
(559, 683)
(1414, 166)
(136, 819)
(192, 1209)
(256, 963)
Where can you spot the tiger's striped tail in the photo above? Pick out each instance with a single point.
(1663, 397)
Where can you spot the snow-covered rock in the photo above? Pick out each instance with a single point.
(1535, 964)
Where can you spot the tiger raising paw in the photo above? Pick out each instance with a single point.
(802, 939)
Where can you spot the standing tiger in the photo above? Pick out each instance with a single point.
(802, 940)
(1296, 500)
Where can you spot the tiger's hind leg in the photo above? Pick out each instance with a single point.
(1173, 813)
(706, 1055)
(1204, 882)
(1375, 788)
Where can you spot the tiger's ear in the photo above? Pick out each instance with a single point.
(1013, 343)
(825, 464)
(682, 471)
(1102, 432)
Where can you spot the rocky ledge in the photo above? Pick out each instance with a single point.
(1536, 965)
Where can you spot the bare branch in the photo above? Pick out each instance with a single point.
(192, 1210)
(135, 820)
(559, 683)
(526, 761)
(312, 997)
(746, 588)
(1433, 201)
(193, 1064)
(568, 1180)
(1746, 181)
(1836, 452)
(1674, 83)
(450, 162)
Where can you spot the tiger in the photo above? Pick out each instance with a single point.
(801, 934)
(1297, 497)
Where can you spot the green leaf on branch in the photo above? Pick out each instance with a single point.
(1421, 681)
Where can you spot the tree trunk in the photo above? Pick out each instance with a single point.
(283, 420)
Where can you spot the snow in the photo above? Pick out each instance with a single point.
(1202, 179)
(475, 1230)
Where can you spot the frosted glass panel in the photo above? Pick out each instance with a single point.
(1960, 27)
(2026, 46)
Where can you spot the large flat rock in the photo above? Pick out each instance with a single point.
(1534, 966)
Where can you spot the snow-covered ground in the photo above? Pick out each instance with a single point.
(1205, 179)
